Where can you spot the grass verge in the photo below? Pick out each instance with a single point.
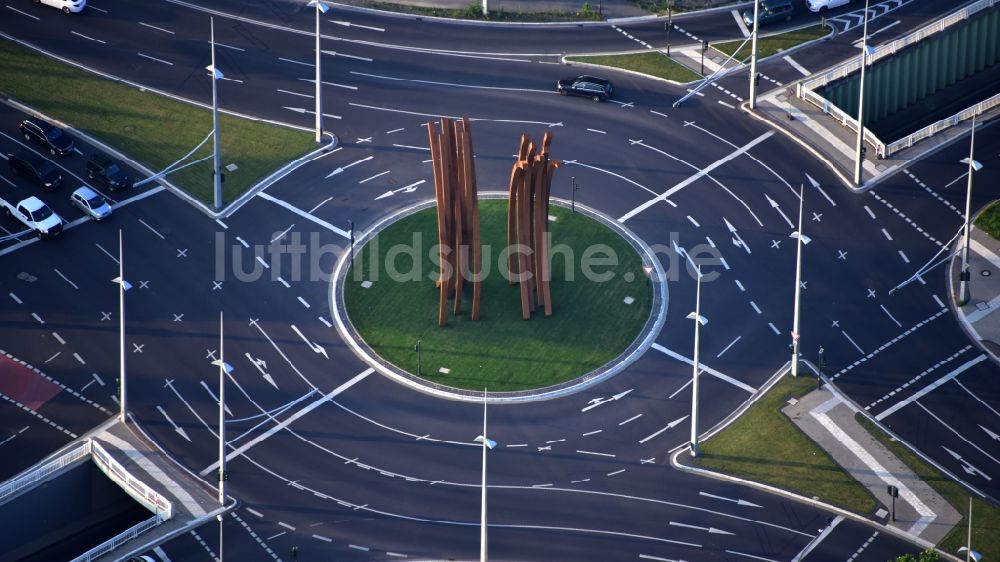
(660, 7)
(985, 517)
(763, 445)
(474, 11)
(653, 64)
(767, 46)
(590, 324)
(152, 129)
(989, 220)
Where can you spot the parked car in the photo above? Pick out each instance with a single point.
(107, 173)
(770, 11)
(35, 167)
(35, 215)
(824, 5)
(49, 135)
(591, 87)
(91, 203)
(67, 6)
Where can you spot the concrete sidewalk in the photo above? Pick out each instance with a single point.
(829, 422)
(610, 9)
(980, 314)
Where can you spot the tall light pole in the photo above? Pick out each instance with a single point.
(866, 52)
(699, 321)
(123, 286)
(800, 240)
(974, 166)
(321, 8)
(487, 444)
(753, 57)
(216, 172)
(224, 370)
(970, 555)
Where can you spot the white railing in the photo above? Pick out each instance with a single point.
(113, 543)
(71, 456)
(133, 486)
(937, 127)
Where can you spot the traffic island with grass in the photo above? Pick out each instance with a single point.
(764, 446)
(600, 304)
(772, 44)
(985, 516)
(989, 220)
(152, 129)
(654, 64)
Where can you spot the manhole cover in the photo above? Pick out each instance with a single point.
(986, 273)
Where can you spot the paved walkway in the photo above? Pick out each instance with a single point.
(982, 312)
(831, 424)
(610, 9)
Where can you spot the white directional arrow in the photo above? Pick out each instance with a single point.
(262, 367)
(737, 241)
(408, 189)
(993, 435)
(304, 110)
(336, 54)
(774, 204)
(966, 465)
(349, 24)
(820, 189)
(670, 425)
(739, 502)
(314, 346)
(711, 530)
(339, 170)
(171, 422)
(598, 401)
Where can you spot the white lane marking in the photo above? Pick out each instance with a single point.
(740, 286)
(304, 303)
(731, 344)
(333, 84)
(740, 502)
(263, 262)
(325, 322)
(755, 307)
(356, 547)
(153, 230)
(938, 301)
(286, 525)
(296, 94)
(927, 389)
(856, 346)
(438, 116)
(303, 214)
(694, 222)
(163, 555)
(93, 7)
(412, 147)
(596, 454)
(88, 38)
(903, 255)
(610, 173)
(170, 421)
(701, 173)
(796, 65)
(727, 104)
(66, 279)
(322, 538)
(36, 18)
(279, 237)
(706, 369)
(156, 28)
(58, 338)
(349, 24)
(155, 59)
(16, 299)
(222, 224)
(288, 421)
(296, 62)
(395, 131)
(346, 56)
(819, 413)
(598, 131)
(819, 538)
(711, 530)
(214, 397)
(755, 557)
(340, 169)
(596, 431)
(616, 472)
(739, 21)
(633, 418)
(670, 425)
(889, 314)
(217, 44)
(980, 400)
(886, 233)
(774, 328)
(660, 114)
(37, 318)
(375, 176)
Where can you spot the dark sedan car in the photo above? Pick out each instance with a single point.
(35, 167)
(596, 89)
(49, 135)
(107, 173)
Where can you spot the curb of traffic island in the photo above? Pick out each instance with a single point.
(562, 59)
(631, 354)
(967, 326)
(830, 35)
(227, 210)
(677, 451)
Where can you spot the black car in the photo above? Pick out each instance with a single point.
(34, 166)
(770, 11)
(596, 89)
(107, 173)
(49, 135)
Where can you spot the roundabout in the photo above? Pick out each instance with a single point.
(607, 300)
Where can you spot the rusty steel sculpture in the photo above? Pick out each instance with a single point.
(457, 213)
(528, 224)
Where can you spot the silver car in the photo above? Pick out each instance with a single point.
(91, 203)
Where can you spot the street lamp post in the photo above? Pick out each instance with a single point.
(668, 25)
(123, 286)
(970, 555)
(800, 240)
(866, 52)
(216, 172)
(487, 444)
(224, 370)
(321, 9)
(699, 321)
(974, 166)
(753, 57)
(573, 190)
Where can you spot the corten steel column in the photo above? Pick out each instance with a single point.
(753, 57)
(865, 52)
(974, 166)
(442, 215)
(699, 321)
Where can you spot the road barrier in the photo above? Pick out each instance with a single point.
(139, 491)
(806, 90)
(113, 543)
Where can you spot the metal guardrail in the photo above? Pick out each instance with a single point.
(133, 486)
(74, 455)
(113, 543)
(805, 90)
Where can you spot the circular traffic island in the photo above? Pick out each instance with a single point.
(601, 293)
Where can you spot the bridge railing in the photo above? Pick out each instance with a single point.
(938, 126)
(114, 542)
(71, 456)
(132, 485)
